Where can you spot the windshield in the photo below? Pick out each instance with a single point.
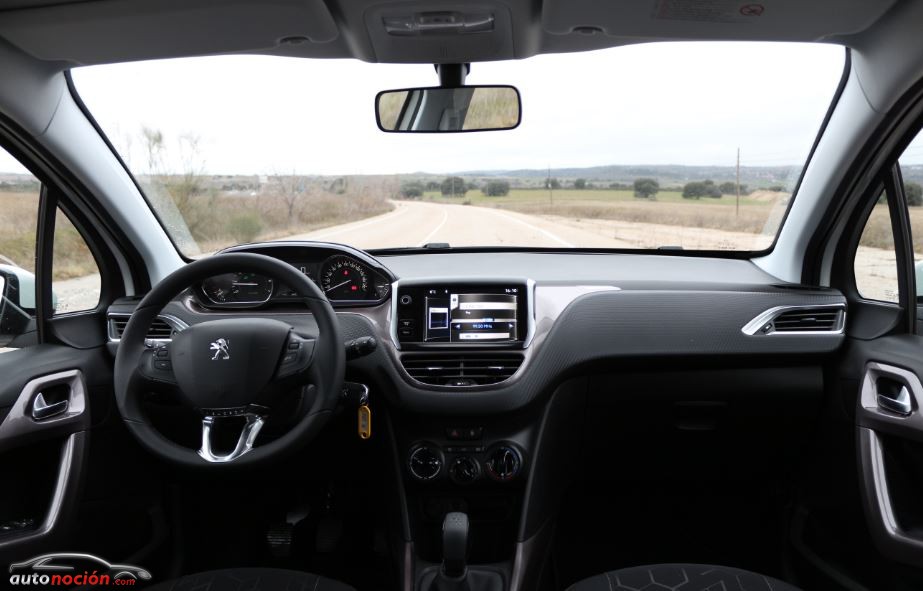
(691, 145)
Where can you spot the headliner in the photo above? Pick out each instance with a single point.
(83, 32)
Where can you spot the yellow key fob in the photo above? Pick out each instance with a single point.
(365, 422)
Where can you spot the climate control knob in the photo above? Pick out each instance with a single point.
(504, 463)
(464, 469)
(425, 462)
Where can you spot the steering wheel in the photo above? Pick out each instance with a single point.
(231, 368)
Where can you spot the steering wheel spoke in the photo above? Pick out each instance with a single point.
(297, 356)
(254, 419)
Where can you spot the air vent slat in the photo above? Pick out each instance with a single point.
(809, 320)
(463, 369)
(159, 329)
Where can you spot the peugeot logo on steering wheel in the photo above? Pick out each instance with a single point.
(220, 347)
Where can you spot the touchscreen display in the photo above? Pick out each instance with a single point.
(475, 316)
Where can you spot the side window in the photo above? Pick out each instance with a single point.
(75, 282)
(911, 162)
(75, 275)
(875, 265)
(19, 201)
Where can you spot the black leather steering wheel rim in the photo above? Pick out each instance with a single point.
(328, 362)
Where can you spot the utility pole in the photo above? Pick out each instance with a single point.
(737, 203)
(550, 189)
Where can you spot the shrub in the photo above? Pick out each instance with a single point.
(497, 188)
(245, 228)
(580, 184)
(412, 190)
(453, 186)
(699, 189)
(914, 194)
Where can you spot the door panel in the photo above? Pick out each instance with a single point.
(46, 405)
(889, 428)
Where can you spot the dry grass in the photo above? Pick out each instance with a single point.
(18, 221)
(751, 219)
(215, 220)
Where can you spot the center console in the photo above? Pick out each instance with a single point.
(455, 334)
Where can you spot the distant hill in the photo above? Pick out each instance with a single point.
(665, 174)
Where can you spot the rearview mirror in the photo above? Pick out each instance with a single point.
(447, 110)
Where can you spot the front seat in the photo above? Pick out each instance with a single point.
(681, 577)
(251, 579)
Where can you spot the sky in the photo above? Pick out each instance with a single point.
(663, 103)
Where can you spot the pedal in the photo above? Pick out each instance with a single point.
(329, 533)
(279, 539)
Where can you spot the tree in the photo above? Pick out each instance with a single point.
(914, 193)
(699, 189)
(497, 188)
(580, 184)
(453, 186)
(552, 184)
(412, 190)
(646, 188)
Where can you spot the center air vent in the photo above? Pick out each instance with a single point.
(161, 329)
(461, 370)
(799, 319)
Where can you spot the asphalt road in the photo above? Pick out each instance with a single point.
(414, 223)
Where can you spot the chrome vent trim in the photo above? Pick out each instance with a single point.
(161, 330)
(815, 319)
(480, 369)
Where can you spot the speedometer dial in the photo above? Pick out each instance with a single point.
(344, 278)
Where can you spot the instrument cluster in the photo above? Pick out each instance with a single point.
(345, 279)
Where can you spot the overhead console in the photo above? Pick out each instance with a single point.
(462, 314)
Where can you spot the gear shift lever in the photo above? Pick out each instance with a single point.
(455, 545)
(454, 574)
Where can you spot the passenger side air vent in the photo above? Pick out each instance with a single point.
(462, 370)
(799, 320)
(161, 329)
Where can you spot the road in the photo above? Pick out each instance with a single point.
(415, 223)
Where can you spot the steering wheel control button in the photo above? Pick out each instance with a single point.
(162, 364)
(297, 358)
(425, 462)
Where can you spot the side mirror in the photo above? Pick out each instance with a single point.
(448, 110)
(17, 301)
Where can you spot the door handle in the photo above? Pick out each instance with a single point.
(42, 410)
(899, 402)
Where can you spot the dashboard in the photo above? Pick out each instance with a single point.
(346, 276)
(497, 331)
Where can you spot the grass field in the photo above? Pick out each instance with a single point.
(669, 207)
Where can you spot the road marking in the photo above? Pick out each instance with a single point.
(533, 227)
(445, 217)
(387, 217)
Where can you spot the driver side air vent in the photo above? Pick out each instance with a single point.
(161, 329)
(799, 320)
(461, 370)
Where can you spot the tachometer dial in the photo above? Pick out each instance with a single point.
(237, 288)
(344, 278)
